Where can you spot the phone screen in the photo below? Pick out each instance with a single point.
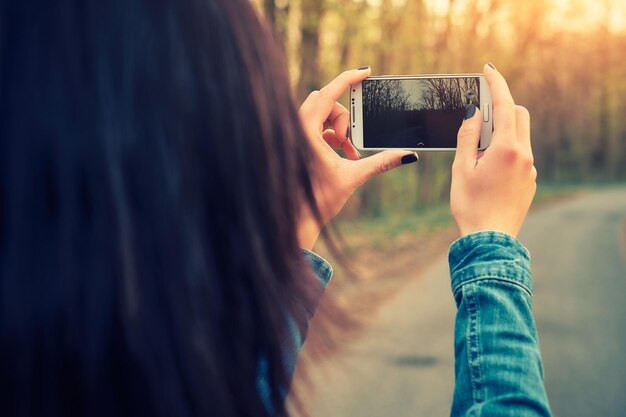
(417, 112)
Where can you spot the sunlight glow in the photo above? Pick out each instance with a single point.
(592, 13)
(574, 15)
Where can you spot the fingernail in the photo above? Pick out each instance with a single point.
(492, 66)
(347, 132)
(408, 159)
(471, 111)
(364, 68)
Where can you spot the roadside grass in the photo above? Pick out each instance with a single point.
(390, 229)
(384, 231)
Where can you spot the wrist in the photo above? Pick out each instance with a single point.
(503, 230)
(308, 232)
(492, 226)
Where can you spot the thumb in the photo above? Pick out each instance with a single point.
(382, 162)
(468, 137)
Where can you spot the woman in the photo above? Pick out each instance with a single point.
(157, 190)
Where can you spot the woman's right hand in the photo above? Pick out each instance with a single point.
(326, 123)
(493, 190)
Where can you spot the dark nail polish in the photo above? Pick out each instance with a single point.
(492, 66)
(408, 159)
(347, 132)
(471, 111)
(364, 68)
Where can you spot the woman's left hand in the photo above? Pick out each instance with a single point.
(327, 126)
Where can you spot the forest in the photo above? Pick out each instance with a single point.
(564, 61)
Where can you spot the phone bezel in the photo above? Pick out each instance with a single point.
(356, 106)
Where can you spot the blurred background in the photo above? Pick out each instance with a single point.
(565, 60)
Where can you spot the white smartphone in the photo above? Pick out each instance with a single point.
(420, 112)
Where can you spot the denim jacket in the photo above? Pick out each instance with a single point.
(498, 368)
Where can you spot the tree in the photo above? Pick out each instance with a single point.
(450, 93)
(384, 96)
(311, 17)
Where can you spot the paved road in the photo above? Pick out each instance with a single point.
(403, 365)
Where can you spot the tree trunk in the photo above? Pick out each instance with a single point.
(312, 11)
(269, 8)
(600, 161)
(278, 19)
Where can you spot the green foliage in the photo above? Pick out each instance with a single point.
(393, 222)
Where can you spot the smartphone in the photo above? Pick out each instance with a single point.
(419, 112)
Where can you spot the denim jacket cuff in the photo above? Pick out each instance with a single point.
(489, 255)
(322, 270)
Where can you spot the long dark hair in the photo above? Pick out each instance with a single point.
(151, 165)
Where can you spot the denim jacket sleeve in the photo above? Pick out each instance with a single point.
(322, 272)
(498, 367)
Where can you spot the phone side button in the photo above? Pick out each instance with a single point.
(485, 111)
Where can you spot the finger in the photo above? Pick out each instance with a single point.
(468, 138)
(350, 151)
(319, 104)
(503, 104)
(343, 81)
(384, 161)
(339, 119)
(337, 141)
(332, 139)
(315, 110)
